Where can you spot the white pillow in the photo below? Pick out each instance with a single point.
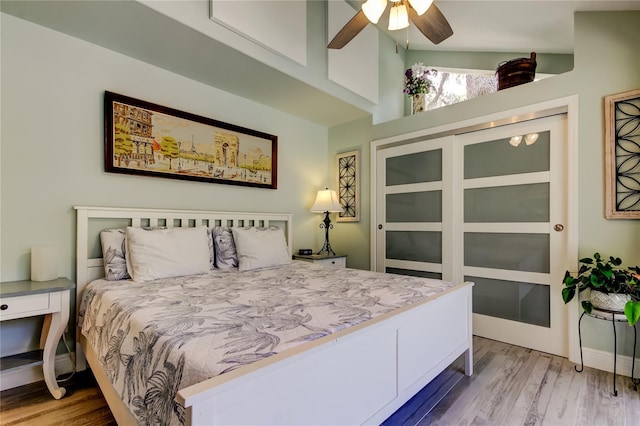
(260, 248)
(166, 253)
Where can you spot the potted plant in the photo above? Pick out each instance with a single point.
(606, 280)
(417, 83)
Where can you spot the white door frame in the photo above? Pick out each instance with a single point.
(566, 104)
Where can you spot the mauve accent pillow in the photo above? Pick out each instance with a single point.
(224, 248)
(113, 254)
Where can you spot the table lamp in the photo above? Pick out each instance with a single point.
(326, 202)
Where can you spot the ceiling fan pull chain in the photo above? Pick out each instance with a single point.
(407, 38)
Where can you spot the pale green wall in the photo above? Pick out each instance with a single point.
(606, 62)
(52, 148)
(352, 238)
(391, 74)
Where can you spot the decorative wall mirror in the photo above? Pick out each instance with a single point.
(622, 155)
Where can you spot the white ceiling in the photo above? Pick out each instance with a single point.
(542, 26)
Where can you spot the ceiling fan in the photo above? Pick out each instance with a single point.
(423, 13)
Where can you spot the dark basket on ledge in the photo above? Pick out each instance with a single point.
(516, 71)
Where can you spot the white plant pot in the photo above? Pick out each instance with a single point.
(609, 302)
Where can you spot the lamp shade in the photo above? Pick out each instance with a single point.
(398, 18)
(326, 201)
(420, 6)
(373, 9)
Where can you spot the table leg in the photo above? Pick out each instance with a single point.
(46, 326)
(56, 328)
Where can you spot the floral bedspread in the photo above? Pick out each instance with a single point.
(157, 337)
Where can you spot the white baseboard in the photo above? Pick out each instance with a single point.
(24, 375)
(603, 360)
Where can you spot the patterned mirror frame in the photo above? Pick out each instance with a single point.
(622, 155)
(348, 184)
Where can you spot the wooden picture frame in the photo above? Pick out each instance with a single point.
(348, 184)
(142, 138)
(622, 155)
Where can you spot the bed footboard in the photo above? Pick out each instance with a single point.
(361, 377)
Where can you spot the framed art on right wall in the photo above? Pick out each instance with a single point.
(348, 170)
(622, 155)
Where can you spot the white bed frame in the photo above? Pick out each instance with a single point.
(357, 376)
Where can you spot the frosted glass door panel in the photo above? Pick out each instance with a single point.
(500, 158)
(411, 272)
(417, 246)
(517, 301)
(516, 203)
(515, 252)
(423, 206)
(414, 168)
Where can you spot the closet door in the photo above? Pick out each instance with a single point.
(490, 207)
(513, 244)
(413, 209)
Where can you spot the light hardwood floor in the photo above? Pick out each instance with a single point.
(511, 386)
(33, 405)
(517, 386)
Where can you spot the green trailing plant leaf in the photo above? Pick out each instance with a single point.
(587, 306)
(632, 312)
(567, 294)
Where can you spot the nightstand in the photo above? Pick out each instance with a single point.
(21, 299)
(337, 260)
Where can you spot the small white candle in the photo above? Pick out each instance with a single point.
(44, 263)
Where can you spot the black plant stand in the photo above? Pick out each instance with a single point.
(607, 315)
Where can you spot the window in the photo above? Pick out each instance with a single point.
(453, 86)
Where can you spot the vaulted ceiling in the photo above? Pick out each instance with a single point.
(137, 30)
(543, 26)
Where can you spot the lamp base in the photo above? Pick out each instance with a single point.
(326, 249)
(326, 224)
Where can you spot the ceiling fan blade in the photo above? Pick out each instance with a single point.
(349, 31)
(432, 24)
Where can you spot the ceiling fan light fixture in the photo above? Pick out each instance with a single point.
(420, 6)
(398, 17)
(373, 9)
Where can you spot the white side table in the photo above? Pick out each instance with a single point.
(337, 260)
(21, 299)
